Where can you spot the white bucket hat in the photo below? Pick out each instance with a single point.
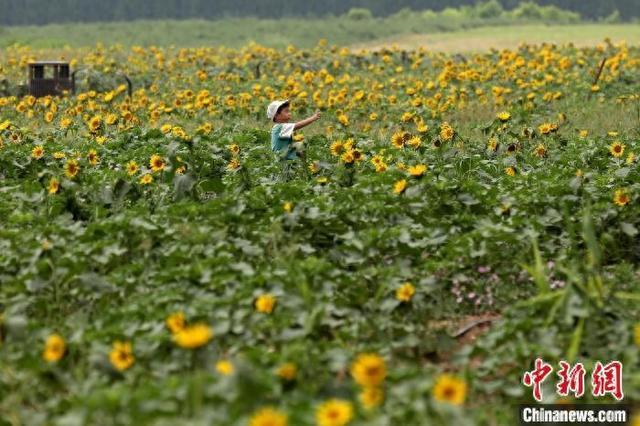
(273, 108)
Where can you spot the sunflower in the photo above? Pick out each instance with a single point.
(54, 348)
(287, 371)
(268, 417)
(111, 119)
(334, 412)
(400, 186)
(492, 145)
(71, 168)
(398, 139)
(146, 179)
(121, 355)
(343, 119)
(314, 167)
(337, 148)
(368, 369)
(405, 292)
(446, 131)
(205, 128)
(421, 127)
(132, 168)
(510, 171)
(37, 152)
(93, 157)
(616, 149)
(348, 157)
(157, 163)
(126, 115)
(265, 303)
(193, 336)
(175, 322)
(631, 158)
(503, 116)
(636, 334)
(417, 170)
(225, 367)
(371, 397)
(234, 164)
(406, 117)
(94, 123)
(621, 197)
(287, 207)
(540, 150)
(415, 142)
(234, 149)
(450, 389)
(54, 186)
(545, 128)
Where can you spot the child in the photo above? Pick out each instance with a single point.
(282, 132)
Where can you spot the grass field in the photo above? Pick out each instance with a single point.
(480, 39)
(450, 36)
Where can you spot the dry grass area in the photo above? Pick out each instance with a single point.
(482, 39)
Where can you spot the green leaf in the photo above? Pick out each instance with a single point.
(244, 268)
(623, 172)
(211, 185)
(629, 229)
(627, 296)
(537, 271)
(576, 339)
(468, 199)
(182, 185)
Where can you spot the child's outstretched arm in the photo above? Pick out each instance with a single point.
(307, 121)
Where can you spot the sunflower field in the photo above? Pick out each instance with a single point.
(449, 220)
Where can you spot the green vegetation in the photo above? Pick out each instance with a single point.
(159, 266)
(356, 27)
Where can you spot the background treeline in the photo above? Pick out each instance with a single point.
(37, 12)
(358, 25)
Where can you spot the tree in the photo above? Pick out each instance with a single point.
(38, 12)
